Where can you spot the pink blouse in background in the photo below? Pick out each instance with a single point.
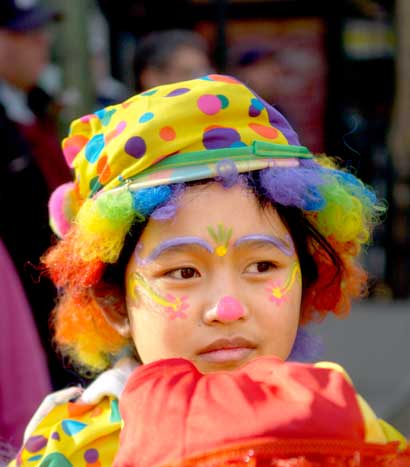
(24, 378)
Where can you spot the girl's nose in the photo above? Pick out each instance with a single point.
(227, 309)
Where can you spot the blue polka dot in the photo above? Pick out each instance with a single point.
(105, 115)
(237, 144)
(72, 427)
(257, 104)
(35, 458)
(94, 147)
(146, 117)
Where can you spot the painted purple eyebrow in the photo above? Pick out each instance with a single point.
(176, 242)
(287, 248)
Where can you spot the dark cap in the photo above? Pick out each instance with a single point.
(246, 55)
(25, 15)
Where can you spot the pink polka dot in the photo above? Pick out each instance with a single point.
(209, 104)
(114, 133)
(72, 146)
(87, 118)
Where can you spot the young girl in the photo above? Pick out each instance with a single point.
(198, 228)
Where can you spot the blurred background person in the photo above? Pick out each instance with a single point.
(167, 56)
(30, 162)
(24, 379)
(258, 66)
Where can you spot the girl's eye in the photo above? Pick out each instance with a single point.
(183, 273)
(260, 267)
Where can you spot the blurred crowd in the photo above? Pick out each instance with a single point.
(32, 110)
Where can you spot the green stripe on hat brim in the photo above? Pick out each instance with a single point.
(258, 150)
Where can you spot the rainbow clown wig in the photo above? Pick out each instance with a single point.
(131, 161)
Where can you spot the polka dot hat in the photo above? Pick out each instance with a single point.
(153, 137)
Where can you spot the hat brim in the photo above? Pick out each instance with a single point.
(33, 19)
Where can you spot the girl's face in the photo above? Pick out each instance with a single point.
(218, 284)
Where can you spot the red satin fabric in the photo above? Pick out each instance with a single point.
(171, 411)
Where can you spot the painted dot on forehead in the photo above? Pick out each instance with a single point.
(221, 237)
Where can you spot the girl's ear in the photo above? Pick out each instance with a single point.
(118, 321)
(111, 303)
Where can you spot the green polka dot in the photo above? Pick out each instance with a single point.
(56, 459)
(115, 416)
(224, 100)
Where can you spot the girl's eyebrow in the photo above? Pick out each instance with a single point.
(175, 244)
(286, 246)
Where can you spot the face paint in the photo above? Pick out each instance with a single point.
(174, 306)
(175, 243)
(229, 309)
(287, 248)
(221, 237)
(136, 254)
(278, 291)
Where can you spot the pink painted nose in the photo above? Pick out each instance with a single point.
(229, 309)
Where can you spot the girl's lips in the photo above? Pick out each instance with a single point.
(227, 350)
(226, 355)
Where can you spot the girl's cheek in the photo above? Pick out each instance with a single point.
(155, 300)
(281, 290)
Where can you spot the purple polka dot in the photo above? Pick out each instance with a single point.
(135, 147)
(35, 443)
(253, 111)
(178, 92)
(217, 138)
(91, 456)
(55, 435)
(209, 104)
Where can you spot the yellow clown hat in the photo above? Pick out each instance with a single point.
(178, 132)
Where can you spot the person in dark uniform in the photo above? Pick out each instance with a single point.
(30, 159)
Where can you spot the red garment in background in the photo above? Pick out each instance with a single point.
(46, 150)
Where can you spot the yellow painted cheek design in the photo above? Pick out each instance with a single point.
(278, 290)
(221, 236)
(174, 306)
